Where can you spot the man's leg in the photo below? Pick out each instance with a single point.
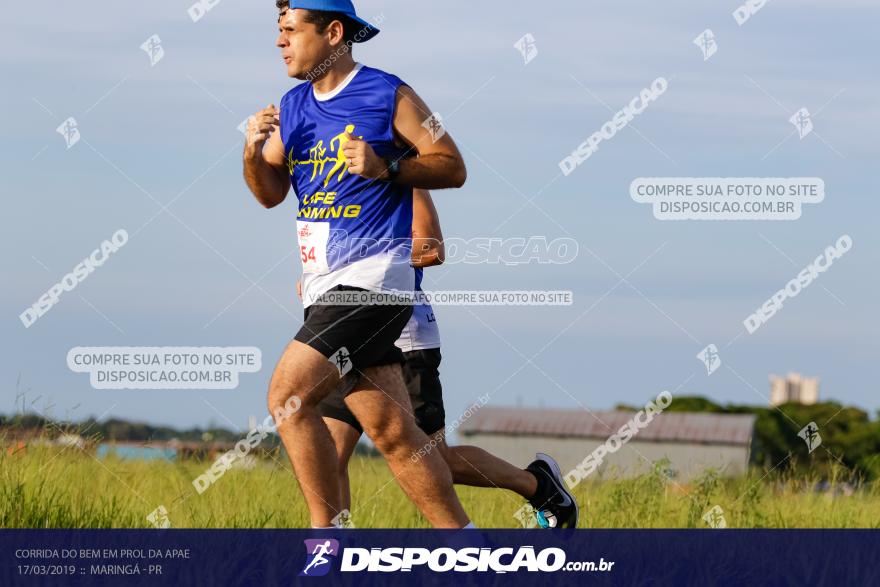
(380, 402)
(469, 465)
(541, 483)
(345, 437)
(476, 467)
(306, 373)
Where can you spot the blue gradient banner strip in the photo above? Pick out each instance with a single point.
(430, 557)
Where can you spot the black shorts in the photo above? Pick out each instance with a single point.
(422, 376)
(355, 337)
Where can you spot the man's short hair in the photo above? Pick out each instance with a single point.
(322, 19)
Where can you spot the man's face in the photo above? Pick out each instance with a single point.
(302, 47)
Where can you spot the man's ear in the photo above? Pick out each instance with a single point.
(336, 31)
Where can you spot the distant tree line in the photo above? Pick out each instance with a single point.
(850, 438)
(119, 430)
(116, 430)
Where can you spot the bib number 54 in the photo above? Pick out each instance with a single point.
(307, 255)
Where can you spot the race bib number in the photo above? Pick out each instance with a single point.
(313, 238)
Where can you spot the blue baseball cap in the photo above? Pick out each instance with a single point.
(346, 7)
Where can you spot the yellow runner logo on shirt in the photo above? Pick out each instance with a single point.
(319, 157)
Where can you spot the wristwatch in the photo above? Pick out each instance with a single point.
(393, 167)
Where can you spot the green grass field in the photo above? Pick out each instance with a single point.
(47, 487)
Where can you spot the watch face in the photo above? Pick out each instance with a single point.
(393, 168)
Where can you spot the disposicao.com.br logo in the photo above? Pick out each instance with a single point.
(442, 560)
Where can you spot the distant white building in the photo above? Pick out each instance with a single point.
(794, 388)
(693, 442)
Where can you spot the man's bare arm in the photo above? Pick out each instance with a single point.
(427, 237)
(439, 163)
(265, 168)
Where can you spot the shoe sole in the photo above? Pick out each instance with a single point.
(554, 466)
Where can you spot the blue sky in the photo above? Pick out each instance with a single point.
(155, 135)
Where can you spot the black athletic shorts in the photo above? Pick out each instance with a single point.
(422, 376)
(355, 337)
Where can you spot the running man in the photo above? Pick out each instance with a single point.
(540, 483)
(369, 206)
(320, 552)
(339, 140)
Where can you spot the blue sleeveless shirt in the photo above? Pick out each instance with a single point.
(352, 230)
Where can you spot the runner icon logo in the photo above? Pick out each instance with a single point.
(527, 47)
(342, 360)
(319, 551)
(810, 434)
(434, 125)
(153, 48)
(706, 42)
(159, 518)
(803, 122)
(69, 130)
(710, 357)
(714, 518)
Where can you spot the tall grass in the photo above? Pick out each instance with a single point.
(51, 487)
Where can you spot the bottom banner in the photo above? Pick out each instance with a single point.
(402, 557)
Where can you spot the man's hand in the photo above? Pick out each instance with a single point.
(265, 164)
(299, 289)
(262, 124)
(362, 159)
